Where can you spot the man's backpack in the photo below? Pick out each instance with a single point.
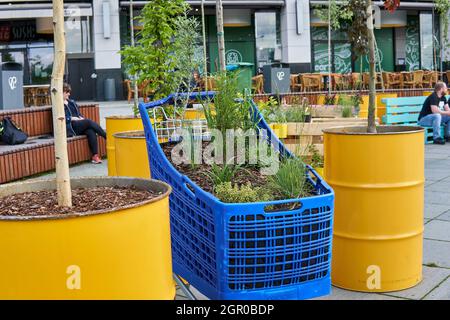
(10, 133)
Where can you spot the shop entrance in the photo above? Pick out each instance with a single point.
(239, 44)
(80, 76)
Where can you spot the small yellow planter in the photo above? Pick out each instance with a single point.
(275, 129)
(281, 129)
(116, 124)
(381, 107)
(319, 170)
(123, 253)
(378, 180)
(131, 154)
(194, 114)
(364, 107)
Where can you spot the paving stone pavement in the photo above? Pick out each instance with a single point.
(436, 258)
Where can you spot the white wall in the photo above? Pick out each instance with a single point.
(296, 48)
(106, 50)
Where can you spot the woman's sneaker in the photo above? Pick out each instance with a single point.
(439, 141)
(96, 159)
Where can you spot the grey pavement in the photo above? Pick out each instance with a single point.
(436, 246)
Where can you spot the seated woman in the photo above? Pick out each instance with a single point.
(76, 124)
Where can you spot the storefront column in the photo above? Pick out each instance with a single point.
(296, 44)
(107, 46)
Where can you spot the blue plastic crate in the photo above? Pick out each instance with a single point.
(240, 251)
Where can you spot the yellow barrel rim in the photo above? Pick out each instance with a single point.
(31, 186)
(381, 130)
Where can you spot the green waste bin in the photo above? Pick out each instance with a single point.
(245, 73)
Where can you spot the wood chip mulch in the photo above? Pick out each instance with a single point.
(44, 203)
(199, 173)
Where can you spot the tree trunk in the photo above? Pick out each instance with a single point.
(220, 35)
(205, 65)
(59, 123)
(329, 48)
(371, 127)
(135, 85)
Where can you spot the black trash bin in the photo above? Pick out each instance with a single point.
(277, 78)
(11, 86)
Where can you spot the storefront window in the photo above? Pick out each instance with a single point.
(41, 64)
(267, 34)
(341, 53)
(78, 35)
(426, 40)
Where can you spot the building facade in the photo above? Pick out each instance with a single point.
(92, 43)
(257, 31)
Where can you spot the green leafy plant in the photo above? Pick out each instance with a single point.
(151, 60)
(268, 108)
(347, 111)
(225, 114)
(442, 7)
(316, 157)
(229, 193)
(346, 102)
(357, 31)
(330, 99)
(356, 102)
(298, 112)
(336, 12)
(185, 56)
(221, 174)
(229, 111)
(290, 179)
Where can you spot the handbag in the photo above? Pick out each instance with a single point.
(11, 133)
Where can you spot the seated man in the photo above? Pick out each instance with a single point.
(435, 111)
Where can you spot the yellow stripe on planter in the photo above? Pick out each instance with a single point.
(123, 253)
(116, 124)
(378, 180)
(131, 154)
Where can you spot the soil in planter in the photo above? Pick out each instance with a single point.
(45, 203)
(199, 174)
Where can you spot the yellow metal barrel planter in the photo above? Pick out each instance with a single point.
(378, 180)
(131, 154)
(122, 253)
(116, 124)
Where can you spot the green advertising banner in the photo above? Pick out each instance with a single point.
(341, 51)
(342, 57)
(320, 57)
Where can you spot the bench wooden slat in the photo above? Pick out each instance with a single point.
(404, 110)
(403, 101)
(401, 118)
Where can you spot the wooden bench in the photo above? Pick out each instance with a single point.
(36, 155)
(405, 111)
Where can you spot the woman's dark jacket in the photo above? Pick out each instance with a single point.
(71, 110)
